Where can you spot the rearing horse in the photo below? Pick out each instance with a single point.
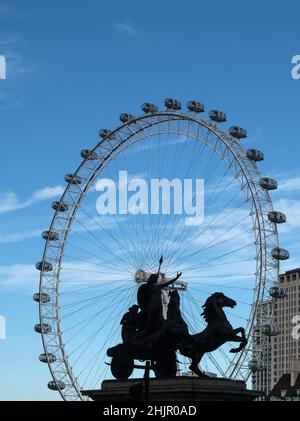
(218, 332)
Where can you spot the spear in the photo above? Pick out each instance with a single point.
(160, 263)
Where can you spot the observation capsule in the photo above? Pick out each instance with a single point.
(58, 385)
(217, 116)
(238, 132)
(44, 265)
(277, 292)
(51, 358)
(172, 104)
(50, 235)
(60, 206)
(125, 118)
(88, 154)
(43, 297)
(255, 155)
(268, 183)
(280, 254)
(149, 108)
(277, 217)
(73, 179)
(195, 107)
(42, 328)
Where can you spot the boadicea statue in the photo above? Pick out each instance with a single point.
(148, 336)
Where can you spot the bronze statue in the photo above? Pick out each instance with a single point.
(147, 336)
(217, 333)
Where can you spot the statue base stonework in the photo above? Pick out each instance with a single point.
(176, 389)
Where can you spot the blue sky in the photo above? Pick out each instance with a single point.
(74, 66)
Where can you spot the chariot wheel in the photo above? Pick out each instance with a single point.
(122, 364)
(93, 263)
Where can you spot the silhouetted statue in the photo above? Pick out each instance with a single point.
(130, 323)
(150, 302)
(218, 332)
(148, 336)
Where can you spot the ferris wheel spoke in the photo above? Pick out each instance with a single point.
(116, 290)
(81, 301)
(87, 342)
(118, 244)
(211, 224)
(107, 343)
(229, 253)
(97, 244)
(184, 233)
(176, 227)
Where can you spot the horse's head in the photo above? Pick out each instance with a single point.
(222, 300)
(214, 303)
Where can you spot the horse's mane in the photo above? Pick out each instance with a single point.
(207, 307)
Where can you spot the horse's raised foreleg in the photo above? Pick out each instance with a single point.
(235, 338)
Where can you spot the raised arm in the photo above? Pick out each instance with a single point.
(166, 284)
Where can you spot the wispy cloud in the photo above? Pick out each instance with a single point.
(18, 236)
(8, 41)
(128, 28)
(25, 276)
(9, 201)
(5, 9)
(290, 184)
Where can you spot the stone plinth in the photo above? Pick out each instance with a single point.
(181, 388)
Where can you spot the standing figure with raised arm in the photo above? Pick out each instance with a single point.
(150, 301)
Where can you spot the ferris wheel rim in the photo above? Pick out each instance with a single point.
(175, 116)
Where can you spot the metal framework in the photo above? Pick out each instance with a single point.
(244, 170)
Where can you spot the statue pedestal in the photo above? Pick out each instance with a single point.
(176, 389)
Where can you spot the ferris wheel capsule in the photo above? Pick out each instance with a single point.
(270, 330)
(195, 107)
(103, 133)
(42, 328)
(125, 118)
(88, 154)
(277, 217)
(73, 179)
(149, 108)
(256, 365)
(60, 206)
(172, 104)
(50, 358)
(255, 155)
(277, 292)
(279, 253)
(50, 235)
(44, 266)
(217, 116)
(238, 132)
(41, 298)
(268, 183)
(56, 385)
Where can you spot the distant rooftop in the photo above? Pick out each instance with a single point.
(289, 272)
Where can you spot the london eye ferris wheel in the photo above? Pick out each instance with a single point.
(92, 264)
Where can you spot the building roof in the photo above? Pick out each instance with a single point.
(289, 272)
